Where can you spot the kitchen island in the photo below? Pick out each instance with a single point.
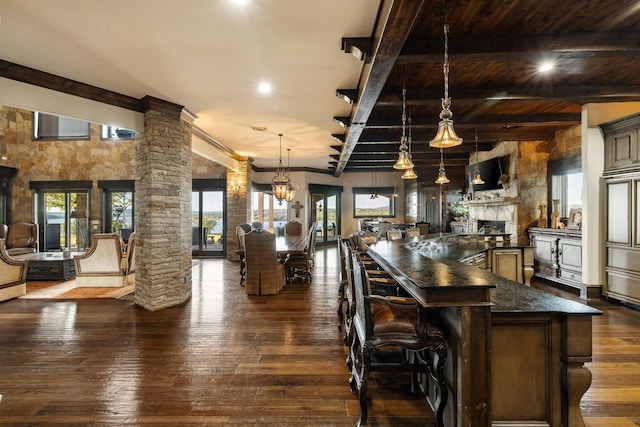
(516, 354)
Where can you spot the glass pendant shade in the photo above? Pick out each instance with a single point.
(409, 174)
(404, 158)
(476, 177)
(446, 137)
(476, 173)
(280, 180)
(403, 162)
(442, 176)
(290, 192)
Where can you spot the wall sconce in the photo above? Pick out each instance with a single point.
(234, 188)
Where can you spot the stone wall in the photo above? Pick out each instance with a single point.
(94, 160)
(519, 206)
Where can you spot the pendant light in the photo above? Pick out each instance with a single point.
(290, 193)
(409, 173)
(280, 180)
(404, 160)
(446, 137)
(476, 173)
(374, 194)
(442, 176)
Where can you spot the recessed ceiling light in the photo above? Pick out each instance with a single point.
(264, 88)
(239, 2)
(545, 67)
(259, 128)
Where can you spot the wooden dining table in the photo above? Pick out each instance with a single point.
(287, 245)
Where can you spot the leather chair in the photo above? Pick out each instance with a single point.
(265, 275)
(20, 238)
(383, 326)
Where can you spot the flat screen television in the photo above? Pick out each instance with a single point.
(490, 171)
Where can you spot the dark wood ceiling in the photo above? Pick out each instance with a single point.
(495, 47)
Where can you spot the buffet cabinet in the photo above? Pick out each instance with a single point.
(557, 255)
(621, 184)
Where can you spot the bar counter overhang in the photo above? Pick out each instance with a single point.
(516, 354)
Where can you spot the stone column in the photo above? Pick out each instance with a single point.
(238, 204)
(163, 206)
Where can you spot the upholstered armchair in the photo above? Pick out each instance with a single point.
(20, 238)
(105, 263)
(13, 275)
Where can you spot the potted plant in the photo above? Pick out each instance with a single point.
(458, 210)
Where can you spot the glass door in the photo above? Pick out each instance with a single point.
(325, 213)
(119, 213)
(208, 222)
(65, 219)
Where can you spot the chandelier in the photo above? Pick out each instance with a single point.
(290, 193)
(476, 173)
(446, 137)
(404, 158)
(280, 180)
(442, 176)
(409, 173)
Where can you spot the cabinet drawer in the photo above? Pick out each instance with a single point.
(623, 286)
(623, 258)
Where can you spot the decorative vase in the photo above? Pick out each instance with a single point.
(555, 215)
(542, 219)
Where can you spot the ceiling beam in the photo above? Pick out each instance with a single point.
(581, 94)
(553, 119)
(580, 45)
(395, 20)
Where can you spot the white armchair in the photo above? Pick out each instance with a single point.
(105, 264)
(13, 275)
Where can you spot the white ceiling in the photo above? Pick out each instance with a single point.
(210, 56)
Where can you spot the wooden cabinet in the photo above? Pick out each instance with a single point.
(621, 144)
(621, 182)
(557, 255)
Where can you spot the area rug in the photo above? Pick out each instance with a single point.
(68, 290)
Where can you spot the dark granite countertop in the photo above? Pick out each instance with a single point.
(440, 267)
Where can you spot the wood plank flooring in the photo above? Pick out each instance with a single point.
(225, 358)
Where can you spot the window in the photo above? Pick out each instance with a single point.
(114, 132)
(50, 127)
(118, 206)
(373, 202)
(268, 210)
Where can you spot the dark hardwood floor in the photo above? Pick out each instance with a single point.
(225, 358)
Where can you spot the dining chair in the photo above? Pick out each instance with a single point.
(293, 228)
(394, 235)
(413, 232)
(301, 265)
(264, 274)
(241, 230)
(383, 227)
(384, 327)
(424, 227)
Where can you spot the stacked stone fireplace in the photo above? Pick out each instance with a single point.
(494, 211)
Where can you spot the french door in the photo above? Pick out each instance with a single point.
(325, 212)
(208, 218)
(63, 219)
